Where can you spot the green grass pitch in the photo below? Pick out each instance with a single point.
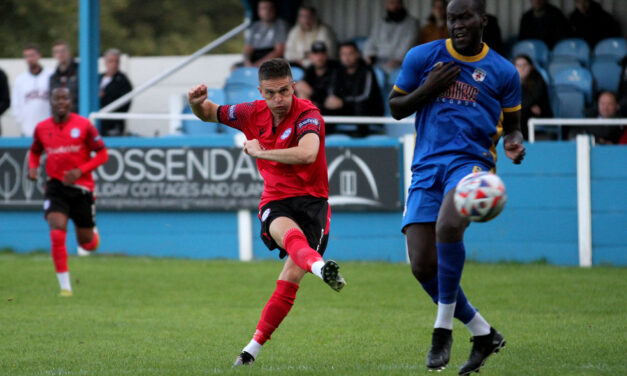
(142, 316)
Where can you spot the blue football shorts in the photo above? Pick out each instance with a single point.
(429, 185)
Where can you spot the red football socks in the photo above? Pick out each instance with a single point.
(93, 244)
(59, 252)
(275, 310)
(298, 248)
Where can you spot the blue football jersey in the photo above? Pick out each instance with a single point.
(465, 120)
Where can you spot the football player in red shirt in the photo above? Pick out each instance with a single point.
(68, 140)
(286, 136)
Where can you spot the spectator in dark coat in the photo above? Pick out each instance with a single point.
(320, 77)
(5, 97)
(590, 22)
(492, 35)
(357, 92)
(113, 84)
(544, 21)
(535, 97)
(66, 74)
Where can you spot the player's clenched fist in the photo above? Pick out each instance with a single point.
(197, 94)
(252, 148)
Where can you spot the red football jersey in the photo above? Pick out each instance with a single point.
(67, 145)
(282, 180)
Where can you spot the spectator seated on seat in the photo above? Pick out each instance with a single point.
(308, 30)
(392, 37)
(535, 96)
(607, 108)
(320, 77)
(545, 22)
(265, 39)
(356, 92)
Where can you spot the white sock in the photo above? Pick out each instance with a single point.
(445, 316)
(316, 268)
(253, 348)
(64, 281)
(478, 326)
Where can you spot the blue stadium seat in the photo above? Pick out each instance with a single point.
(198, 127)
(381, 81)
(243, 76)
(558, 65)
(241, 93)
(297, 74)
(577, 78)
(573, 47)
(606, 73)
(399, 130)
(360, 41)
(568, 102)
(614, 47)
(534, 48)
(544, 74)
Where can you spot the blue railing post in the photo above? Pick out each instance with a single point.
(89, 51)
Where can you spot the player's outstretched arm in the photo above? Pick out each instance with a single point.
(305, 153)
(441, 77)
(203, 108)
(513, 138)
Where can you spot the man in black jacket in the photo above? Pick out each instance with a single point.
(545, 22)
(5, 98)
(357, 92)
(113, 84)
(66, 74)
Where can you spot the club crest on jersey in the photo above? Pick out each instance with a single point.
(313, 121)
(479, 75)
(232, 116)
(286, 134)
(75, 132)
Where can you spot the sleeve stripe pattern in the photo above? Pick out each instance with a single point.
(399, 90)
(512, 109)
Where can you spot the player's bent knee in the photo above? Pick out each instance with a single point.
(424, 272)
(90, 245)
(449, 230)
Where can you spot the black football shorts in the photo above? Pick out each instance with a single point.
(312, 214)
(78, 204)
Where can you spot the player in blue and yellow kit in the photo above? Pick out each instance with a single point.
(465, 96)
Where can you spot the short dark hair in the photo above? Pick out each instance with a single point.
(274, 68)
(349, 43)
(32, 46)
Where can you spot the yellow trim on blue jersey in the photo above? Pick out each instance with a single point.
(496, 137)
(467, 59)
(512, 109)
(398, 89)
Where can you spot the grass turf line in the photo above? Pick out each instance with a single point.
(143, 316)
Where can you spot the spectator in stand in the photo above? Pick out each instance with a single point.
(113, 85)
(320, 77)
(590, 22)
(492, 35)
(308, 30)
(356, 92)
(535, 97)
(31, 92)
(436, 23)
(5, 98)
(265, 39)
(392, 38)
(66, 74)
(544, 21)
(607, 108)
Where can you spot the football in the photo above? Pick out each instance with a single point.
(480, 196)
